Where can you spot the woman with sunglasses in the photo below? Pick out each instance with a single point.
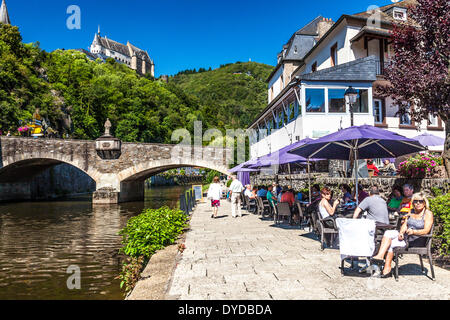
(418, 223)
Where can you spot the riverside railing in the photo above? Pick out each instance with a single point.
(187, 202)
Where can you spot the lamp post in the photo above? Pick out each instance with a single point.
(351, 95)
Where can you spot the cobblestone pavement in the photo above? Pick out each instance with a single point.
(249, 258)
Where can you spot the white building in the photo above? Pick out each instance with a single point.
(309, 100)
(128, 54)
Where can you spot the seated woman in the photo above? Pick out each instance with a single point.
(325, 209)
(347, 191)
(288, 196)
(396, 199)
(254, 193)
(417, 223)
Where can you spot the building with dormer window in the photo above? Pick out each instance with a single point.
(308, 102)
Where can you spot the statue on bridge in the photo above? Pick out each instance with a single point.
(107, 128)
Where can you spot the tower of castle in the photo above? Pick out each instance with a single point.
(4, 16)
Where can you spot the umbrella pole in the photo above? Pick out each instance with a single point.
(356, 176)
(290, 174)
(309, 182)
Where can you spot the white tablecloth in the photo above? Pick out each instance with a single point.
(356, 237)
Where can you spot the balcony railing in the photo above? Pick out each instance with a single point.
(381, 67)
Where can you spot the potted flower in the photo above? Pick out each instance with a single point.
(421, 166)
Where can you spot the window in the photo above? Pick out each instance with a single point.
(378, 111)
(281, 83)
(405, 119)
(399, 14)
(297, 109)
(336, 101)
(315, 100)
(291, 112)
(433, 121)
(314, 67)
(333, 53)
(362, 103)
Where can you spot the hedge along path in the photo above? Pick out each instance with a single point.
(147, 233)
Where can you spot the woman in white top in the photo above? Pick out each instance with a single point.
(325, 209)
(215, 194)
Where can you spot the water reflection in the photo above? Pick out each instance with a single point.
(40, 240)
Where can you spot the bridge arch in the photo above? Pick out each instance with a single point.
(42, 179)
(131, 180)
(143, 171)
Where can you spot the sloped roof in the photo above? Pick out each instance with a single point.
(303, 39)
(384, 17)
(311, 28)
(364, 69)
(114, 45)
(372, 31)
(90, 55)
(124, 49)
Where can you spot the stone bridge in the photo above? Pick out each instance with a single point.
(119, 180)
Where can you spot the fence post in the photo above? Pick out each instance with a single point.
(183, 206)
(191, 201)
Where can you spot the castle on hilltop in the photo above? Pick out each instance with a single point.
(103, 48)
(130, 55)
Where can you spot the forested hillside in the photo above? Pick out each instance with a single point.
(76, 95)
(233, 95)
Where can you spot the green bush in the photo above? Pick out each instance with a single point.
(151, 231)
(440, 206)
(131, 271)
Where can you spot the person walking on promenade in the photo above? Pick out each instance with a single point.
(215, 194)
(236, 188)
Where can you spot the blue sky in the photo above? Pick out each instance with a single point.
(179, 34)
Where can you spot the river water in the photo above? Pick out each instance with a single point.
(40, 240)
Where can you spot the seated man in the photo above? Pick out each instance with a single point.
(396, 199)
(271, 197)
(371, 166)
(375, 206)
(406, 204)
(248, 192)
(262, 192)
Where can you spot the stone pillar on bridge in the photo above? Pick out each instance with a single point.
(108, 148)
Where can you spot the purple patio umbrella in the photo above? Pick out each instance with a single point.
(243, 173)
(282, 156)
(244, 177)
(359, 142)
(243, 167)
(429, 140)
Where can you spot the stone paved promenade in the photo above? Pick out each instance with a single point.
(248, 258)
